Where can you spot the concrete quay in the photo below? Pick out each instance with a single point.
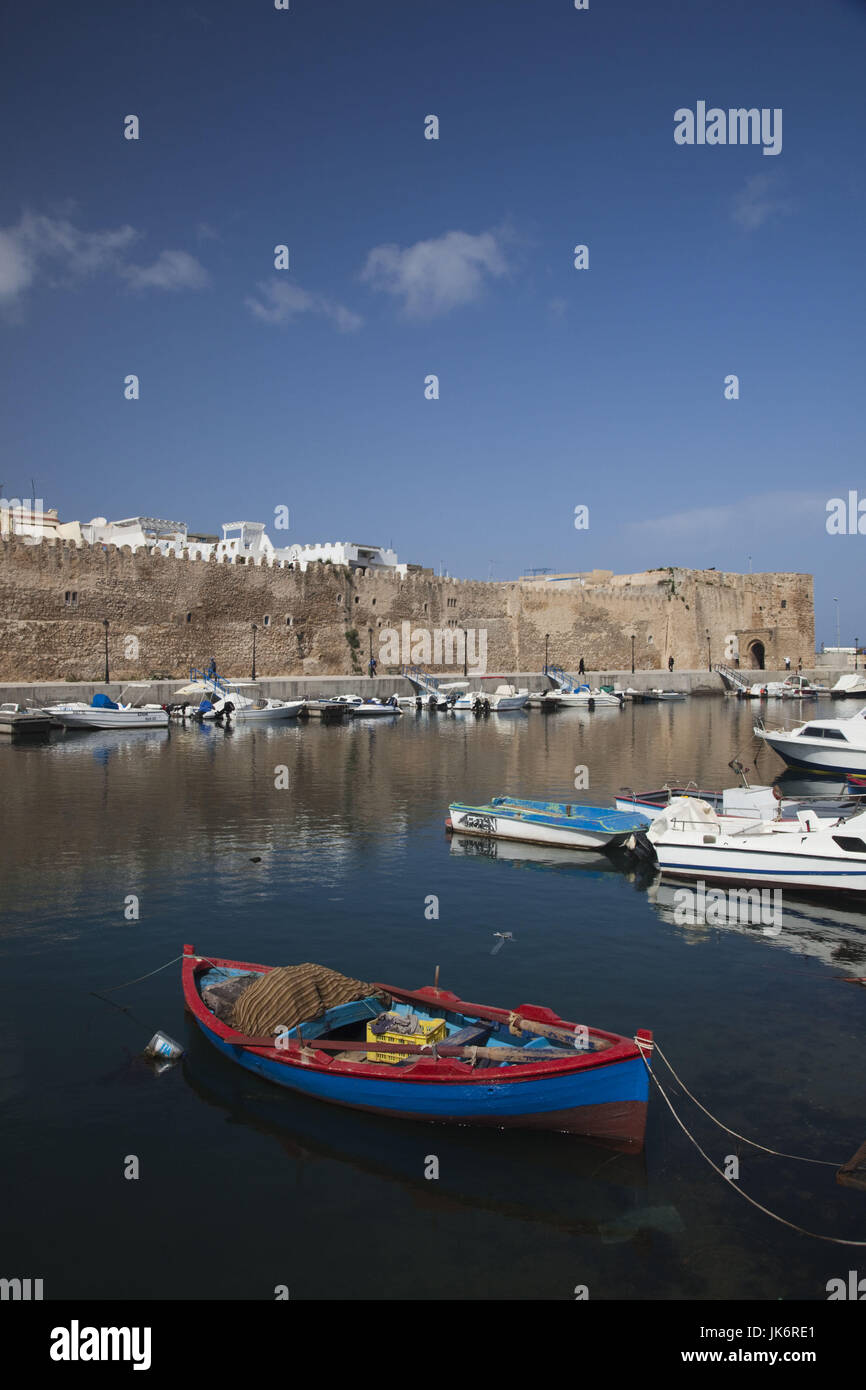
(295, 687)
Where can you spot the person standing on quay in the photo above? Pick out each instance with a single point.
(670, 663)
(372, 667)
(581, 669)
(787, 663)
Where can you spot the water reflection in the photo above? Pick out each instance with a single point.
(587, 1189)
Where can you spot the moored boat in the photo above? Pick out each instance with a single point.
(811, 852)
(105, 713)
(369, 709)
(821, 745)
(569, 825)
(20, 721)
(521, 1068)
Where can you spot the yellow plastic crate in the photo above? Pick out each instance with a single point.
(433, 1030)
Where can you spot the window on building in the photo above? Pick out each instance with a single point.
(339, 599)
(266, 620)
(289, 622)
(357, 599)
(189, 617)
(71, 598)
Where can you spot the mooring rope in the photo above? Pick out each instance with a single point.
(823, 1162)
(144, 977)
(792, 1225)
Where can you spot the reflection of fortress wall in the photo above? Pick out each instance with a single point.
(54, 597)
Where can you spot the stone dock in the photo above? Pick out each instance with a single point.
(294, 687)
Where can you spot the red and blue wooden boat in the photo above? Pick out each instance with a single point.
(553, 1074)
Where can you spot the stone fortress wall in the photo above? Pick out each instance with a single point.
(166, 614)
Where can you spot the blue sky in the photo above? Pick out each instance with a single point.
(305, 388)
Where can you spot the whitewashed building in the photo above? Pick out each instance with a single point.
(243, 543)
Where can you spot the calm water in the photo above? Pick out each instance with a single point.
(244, 1187)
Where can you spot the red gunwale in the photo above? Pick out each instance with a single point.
(423, 1070)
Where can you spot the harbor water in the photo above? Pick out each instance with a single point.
(309, 842)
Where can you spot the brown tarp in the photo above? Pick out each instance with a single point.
(292, 994)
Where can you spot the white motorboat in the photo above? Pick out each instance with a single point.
(211, 697)
(368, 709)
(574, 695)
(240, 709)
(821, 745)
(811, 852)
(544, 699)
(792, 688)
(850, 687)
(505, 698)
(105, 713)
(18, 720)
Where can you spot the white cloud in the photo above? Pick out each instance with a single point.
(433, 277)
(281, 302)
(172, 270)
(53, 252)
(16, 267)
(755, 203)
(766, 513)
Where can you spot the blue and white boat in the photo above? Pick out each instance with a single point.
(568, 825)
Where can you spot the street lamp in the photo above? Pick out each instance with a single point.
(370, 660)
(709, 662)
(465, 655)
(105, 626)
(546, 646)
(255, 630)
(632, 653)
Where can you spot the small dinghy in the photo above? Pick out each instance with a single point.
(421, 1054)
(571, 826)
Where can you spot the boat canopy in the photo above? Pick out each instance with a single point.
(101, 701)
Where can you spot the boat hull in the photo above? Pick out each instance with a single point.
(90, 718)
(587, 1095)
(535, 828)
(266, 716)
(818, 756)
(815, 873)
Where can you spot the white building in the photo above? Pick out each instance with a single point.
(243, 543)
(351, 553)
(27, 517)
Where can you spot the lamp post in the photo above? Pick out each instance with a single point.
(465, 655)
(370, 659)
(632, 653)
(255, 630)
(709, 662)
(546, 646)
(105, 626)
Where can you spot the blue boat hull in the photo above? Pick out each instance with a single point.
(607, 1102)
